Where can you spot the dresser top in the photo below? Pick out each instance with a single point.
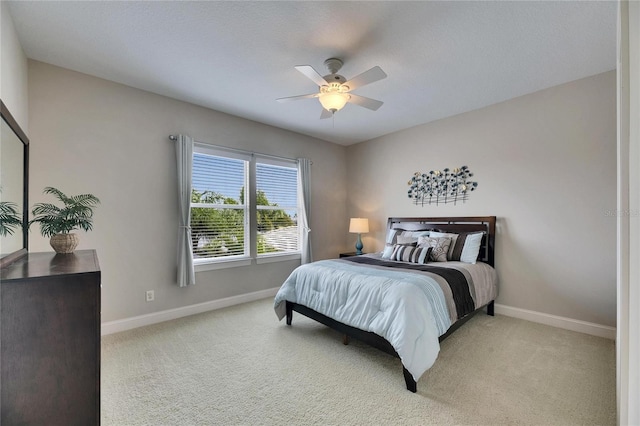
(50, 263)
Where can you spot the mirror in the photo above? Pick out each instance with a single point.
(14, 173)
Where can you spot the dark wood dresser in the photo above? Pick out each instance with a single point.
(50, 340)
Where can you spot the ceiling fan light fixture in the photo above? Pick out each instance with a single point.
(334, 89)
(333, 101)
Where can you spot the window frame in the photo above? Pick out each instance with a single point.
(251, 210)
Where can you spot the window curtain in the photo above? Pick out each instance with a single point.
(184, 155)
(304, 174)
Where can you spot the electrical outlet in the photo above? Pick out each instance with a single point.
(150, 296)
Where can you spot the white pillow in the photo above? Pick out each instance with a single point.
(391, 236)
(389, 242)
(387, 251)
(471, 247)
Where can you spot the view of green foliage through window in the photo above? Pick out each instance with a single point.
(219, 214)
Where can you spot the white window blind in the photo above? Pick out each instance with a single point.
(219, 209)
(225, 184)
(277, 207)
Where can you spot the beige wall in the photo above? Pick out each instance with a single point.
(545, 164)
(93, 135)
(13, 70)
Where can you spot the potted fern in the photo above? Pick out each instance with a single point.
(58, 222)
(9, 218)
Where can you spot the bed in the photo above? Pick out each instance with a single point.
(432, 276)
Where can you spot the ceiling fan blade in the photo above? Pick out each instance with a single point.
(325, 114)
(369, 76)
(312, 74)
(372, 104)
(295, 98)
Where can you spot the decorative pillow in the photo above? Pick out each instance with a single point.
(468, 247)
(416, 234)
(454, 238)
(390, 241)
(392, 235)
(395, 236)
(407, 253)
(387, 251)
(407, 240)
(464, 247)
(439, 246)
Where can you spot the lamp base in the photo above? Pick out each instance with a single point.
(359, 246)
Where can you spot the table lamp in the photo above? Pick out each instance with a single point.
(359, 225)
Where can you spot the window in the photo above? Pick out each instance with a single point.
(277, 208)
(239, 198)
(219, 215)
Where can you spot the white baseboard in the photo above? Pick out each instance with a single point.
(556, 321)
(170, 314)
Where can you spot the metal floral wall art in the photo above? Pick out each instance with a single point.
(441, 187)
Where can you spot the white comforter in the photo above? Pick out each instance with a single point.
(407, 309)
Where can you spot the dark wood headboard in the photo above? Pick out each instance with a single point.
(487, 224)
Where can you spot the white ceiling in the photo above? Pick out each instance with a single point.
(442, 58)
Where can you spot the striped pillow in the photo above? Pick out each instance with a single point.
(400, 236)
(411, 254)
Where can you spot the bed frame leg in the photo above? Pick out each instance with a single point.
(408, 378)
(289, 309)
(345, 339)
(490, 308)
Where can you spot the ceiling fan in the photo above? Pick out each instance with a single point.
(335, 91)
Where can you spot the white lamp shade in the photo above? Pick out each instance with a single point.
(359, 225)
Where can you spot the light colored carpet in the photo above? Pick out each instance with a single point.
(239, 365)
